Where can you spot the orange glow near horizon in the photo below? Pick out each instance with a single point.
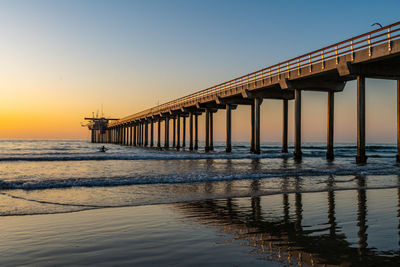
(51, 112)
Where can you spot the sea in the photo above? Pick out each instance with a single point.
(268, 207)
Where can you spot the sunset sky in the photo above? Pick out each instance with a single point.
(62, 60)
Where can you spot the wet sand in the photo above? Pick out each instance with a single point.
(350, 227)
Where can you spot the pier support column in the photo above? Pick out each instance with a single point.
(92, 139)
(119, 135)
(285, 127)
(257, 105)
(123, 135)
(159, 133)
(211, 131)
(151, 134)
(191, 131)
(252, 128)
(130, 134)
(398, 121)
(228, 128)
(141, 134)
(361, 157)
(127, 134)
(184, 131)
(174, 132)
(166, 138)
(297, 125)
(331, 103)
(146, 133)
(116, 135)
(134, 134)
(207, 132)
(178, 132)
(138, 133)
(196, 132)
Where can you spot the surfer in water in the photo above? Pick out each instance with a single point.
(103, 149)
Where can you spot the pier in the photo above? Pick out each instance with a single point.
(375, 54)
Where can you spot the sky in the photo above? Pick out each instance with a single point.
(62, 60)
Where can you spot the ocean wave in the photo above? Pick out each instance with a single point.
(174, 155)
(194, 178)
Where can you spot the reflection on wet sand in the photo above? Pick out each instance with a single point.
(284, 238)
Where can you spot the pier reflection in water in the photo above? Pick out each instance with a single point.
(309, 229)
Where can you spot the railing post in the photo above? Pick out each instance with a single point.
(361, 157)
(228, 128)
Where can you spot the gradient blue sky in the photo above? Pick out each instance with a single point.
(61, 60)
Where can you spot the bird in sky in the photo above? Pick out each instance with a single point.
(378, 24)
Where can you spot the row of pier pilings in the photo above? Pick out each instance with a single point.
(136, 133)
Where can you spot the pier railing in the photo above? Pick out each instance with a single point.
(364, 41)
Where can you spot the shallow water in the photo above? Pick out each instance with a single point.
(286, 212)
(347, 228)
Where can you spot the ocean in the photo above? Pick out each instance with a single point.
(267, 207)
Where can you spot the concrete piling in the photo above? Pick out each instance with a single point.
(207, 131)
(228, 128)
(361, 156)
(285, 126)
(297, 125)
(191, 131)
(329, 150)
(166, 139)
